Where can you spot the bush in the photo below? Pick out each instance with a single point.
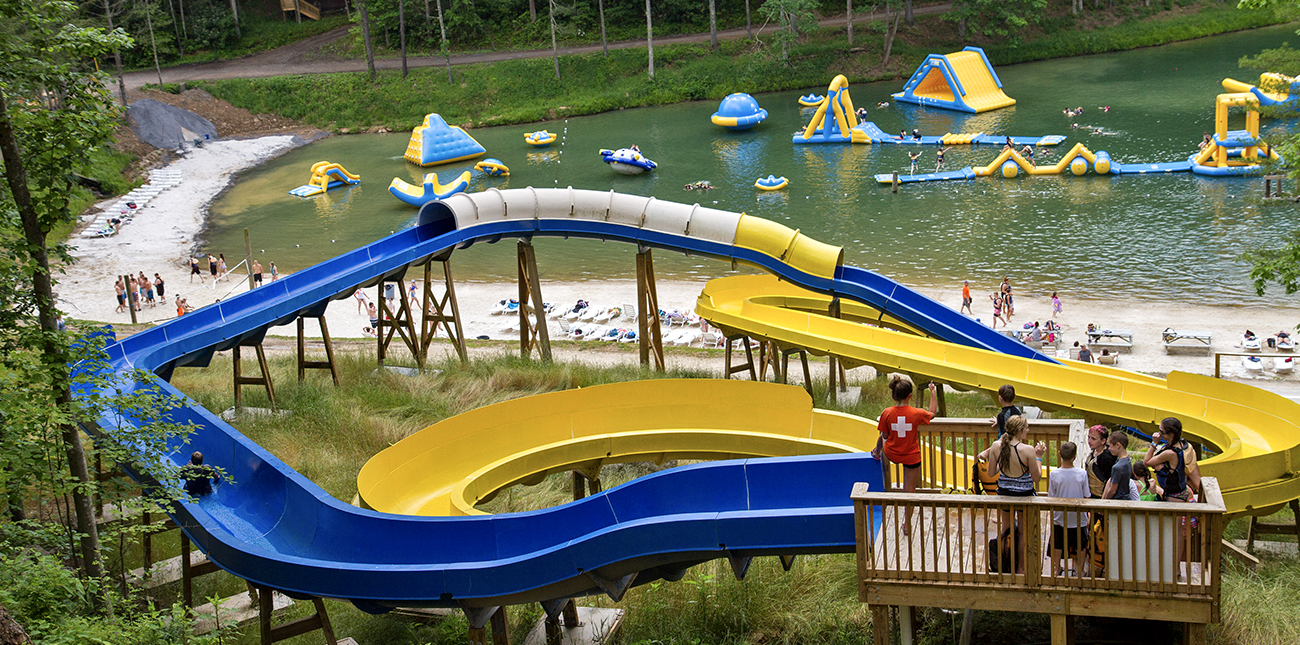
(211, 26)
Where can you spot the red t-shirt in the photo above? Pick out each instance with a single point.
(901, 427)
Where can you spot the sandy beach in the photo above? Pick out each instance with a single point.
(163, 234)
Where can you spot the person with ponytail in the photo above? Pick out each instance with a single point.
(900, 429)
(1019, 468)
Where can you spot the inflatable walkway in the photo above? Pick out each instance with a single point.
(962, 81)
(274, 527)
(325, 176)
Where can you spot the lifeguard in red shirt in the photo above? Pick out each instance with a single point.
(900, 429)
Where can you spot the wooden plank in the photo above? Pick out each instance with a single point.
(595, 625)
(1240, 555)
(239, 609)
(1177, 607)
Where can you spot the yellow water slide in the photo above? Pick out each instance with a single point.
(1257, 433)
(982, 92)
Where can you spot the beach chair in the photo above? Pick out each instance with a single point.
(1283, 364)
(711, 339)
(1252, 364)
(565, 327)
(1074, 353)
(1108, 359)
(629, 312)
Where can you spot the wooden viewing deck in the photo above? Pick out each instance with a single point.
(1161, 559)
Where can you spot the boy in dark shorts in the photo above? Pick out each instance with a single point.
(1069, 530)
(1121, 474)
(195, 270)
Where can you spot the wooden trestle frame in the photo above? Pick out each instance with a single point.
(532, 315)
(241, 380)
(437, 311)
(328, 363)
(650, 336)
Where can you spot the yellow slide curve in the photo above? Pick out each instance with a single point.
(1257, 433)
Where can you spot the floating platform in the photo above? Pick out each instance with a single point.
(877, 136)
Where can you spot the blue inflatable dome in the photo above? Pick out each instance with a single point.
(739, 111)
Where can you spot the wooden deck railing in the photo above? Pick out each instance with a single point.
(949, 447)
(1151, 551)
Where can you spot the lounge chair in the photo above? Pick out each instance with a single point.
(1252, 364)
(712, 339)
(1285, 344)
(1283, 364)
(1108, 359)
(629, 337)
(607, 315)
(1250, 342)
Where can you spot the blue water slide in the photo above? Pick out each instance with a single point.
(276, 528)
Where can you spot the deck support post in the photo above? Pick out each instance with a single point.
(839, 380)
(1193, 634)
(441, 311)
(748, 365)
(880, 625)
(1062, 629)
(907, 625)
(650, 335)
(241, 381)
(500, 627)
(328, 363)
(769, 355)
(967, 626)
(400, 322)
(532, 317)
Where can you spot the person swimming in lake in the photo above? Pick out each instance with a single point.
(914, 156)
(938, 158)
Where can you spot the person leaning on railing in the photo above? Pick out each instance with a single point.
(900, 431)
(1174, 461)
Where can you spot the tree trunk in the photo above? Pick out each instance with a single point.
(713, 25)
(180, 47)
(297, 11)
(889, 38)
(11, 633)
(446, 47)
(401, 31)
(117, 54)
(53, 354)
(180, 4)
(234, 9)
(650, 38)
(153, 43)
(907, 7)
(848, 12)
(600, 4)
(749, 29)
(532, 10)
(555, 50)
(365, 35)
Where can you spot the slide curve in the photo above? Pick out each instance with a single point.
(276, 528)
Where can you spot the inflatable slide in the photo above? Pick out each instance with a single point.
(962, 81)
(325, 176)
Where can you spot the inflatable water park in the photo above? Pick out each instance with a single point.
(963, 81)
(434, 142)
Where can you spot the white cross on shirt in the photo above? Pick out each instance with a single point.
(902, 427)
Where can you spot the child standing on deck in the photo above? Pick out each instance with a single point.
(1069, 530)
(900, 429)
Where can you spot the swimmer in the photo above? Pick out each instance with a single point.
(634, 148)
(1104, 109)
(914, 156)
(883, 104)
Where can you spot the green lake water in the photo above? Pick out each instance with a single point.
(1170, 237)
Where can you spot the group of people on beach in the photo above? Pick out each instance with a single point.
(218, 270)
(137, 291)
(1167, 472)
(367, 307)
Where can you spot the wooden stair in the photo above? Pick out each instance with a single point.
(304, 8)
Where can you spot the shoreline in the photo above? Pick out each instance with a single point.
(165, 230)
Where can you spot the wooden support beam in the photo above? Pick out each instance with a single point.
(191, 571)
(328, 363)
(1258, 527)
(803, 360)
(769, 355)
(400, 322)
(500, 627)
(274, 633)
(650, 334)
(441, 311)
(880, 624)
(748, 365)
(1240, 555)
(532, 316)
(263, 380)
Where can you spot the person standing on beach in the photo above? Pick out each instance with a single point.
(997, 309)
(965, 298)
(414, 298)
(275, 274)
(1085, 354)
(222, 271)
(159, 285)
(361, 301)
(1008, 305)
(374, 314)
(195, 270)
(257, 274)
(146, 286)
(212, 267)
(1056, 305)
(121, 296)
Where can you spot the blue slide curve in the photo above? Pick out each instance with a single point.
(274, 527)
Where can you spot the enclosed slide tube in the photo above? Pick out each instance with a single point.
(270, 525)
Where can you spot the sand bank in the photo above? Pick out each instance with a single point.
(162, 236)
